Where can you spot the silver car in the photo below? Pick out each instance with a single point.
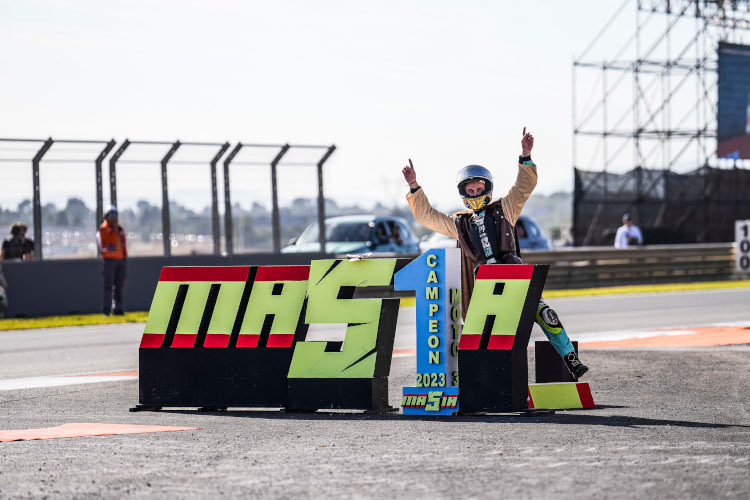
(357, 234)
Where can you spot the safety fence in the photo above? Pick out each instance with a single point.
(167, 192)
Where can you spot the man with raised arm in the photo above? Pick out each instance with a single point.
(486, 233)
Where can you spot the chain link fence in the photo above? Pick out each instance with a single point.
(173, 198)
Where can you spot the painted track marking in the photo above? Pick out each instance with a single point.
(12, 384)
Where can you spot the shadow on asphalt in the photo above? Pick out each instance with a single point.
(564, 417)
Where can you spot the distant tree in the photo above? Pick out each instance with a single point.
(61, 219)
(76, 212)
(25, 207)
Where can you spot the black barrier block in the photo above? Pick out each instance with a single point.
(549, 366)
(497, 380)
(198, 377)
(338, 393)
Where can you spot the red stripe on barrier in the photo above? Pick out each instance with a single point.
(152, 340)
(283, 273)
(224, 273)
(248, 340)
(505, 272)
(216, 340)
(584, 392)
(531, 401)
(469, 341)
(280, 340)
(184, 340)
(501, 342)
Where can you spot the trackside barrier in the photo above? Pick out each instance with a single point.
(590, 267)
(39, 288)
(236, 336)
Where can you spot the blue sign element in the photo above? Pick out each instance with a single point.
(430, 400)
(435, 276)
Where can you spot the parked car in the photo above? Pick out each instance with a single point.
(356, 234)
(530, 237)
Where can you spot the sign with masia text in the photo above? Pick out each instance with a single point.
(236, 336)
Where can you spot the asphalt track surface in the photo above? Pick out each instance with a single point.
(672, 423)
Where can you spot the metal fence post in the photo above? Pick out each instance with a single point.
(37, 209)
(98, 168)
(113, 172)
(216, 230)
(322, 201)
(166, 231)
(275, 218)
(228, 200)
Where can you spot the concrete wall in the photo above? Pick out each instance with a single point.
(75, 286)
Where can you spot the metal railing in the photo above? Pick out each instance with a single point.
(593, 267)
(166, 235)
(590, 267)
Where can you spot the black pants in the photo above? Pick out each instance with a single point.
(114, 277)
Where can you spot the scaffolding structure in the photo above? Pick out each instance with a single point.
(656, 99)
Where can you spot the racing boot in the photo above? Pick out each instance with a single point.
(575, 367)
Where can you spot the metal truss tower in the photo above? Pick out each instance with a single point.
(656, 97)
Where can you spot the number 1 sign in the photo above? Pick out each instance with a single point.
(436, 278)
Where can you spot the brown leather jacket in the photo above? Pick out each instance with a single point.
(506, 211)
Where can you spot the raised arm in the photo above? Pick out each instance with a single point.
(526, 179)
(423, 212)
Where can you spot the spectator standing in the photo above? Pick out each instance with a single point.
(18, 246)
(111, 242)
(628, 234)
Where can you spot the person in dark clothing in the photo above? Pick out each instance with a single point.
(18, 246)
(485, 234)
(111, 242)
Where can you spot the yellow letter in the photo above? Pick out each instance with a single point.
(434, 401)
(456, 313)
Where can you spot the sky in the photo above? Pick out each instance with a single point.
(445, 83)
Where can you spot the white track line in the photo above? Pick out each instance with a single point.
(13, 384)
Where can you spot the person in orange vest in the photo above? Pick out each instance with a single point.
(110, 239)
